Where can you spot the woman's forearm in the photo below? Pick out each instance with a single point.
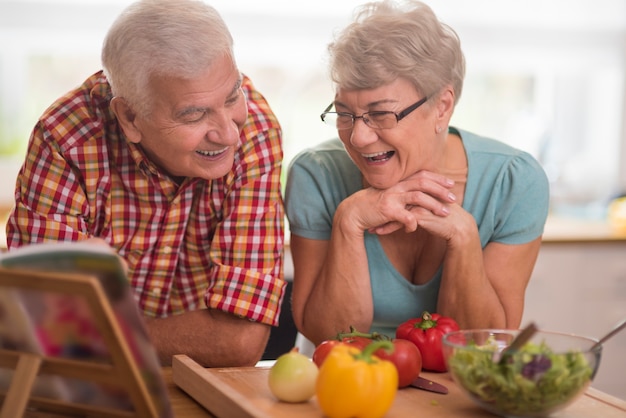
(341, 294)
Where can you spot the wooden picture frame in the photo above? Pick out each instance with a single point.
(123, 372)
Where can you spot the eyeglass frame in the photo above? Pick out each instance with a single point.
(399, 116)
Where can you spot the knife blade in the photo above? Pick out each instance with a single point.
(429, 385)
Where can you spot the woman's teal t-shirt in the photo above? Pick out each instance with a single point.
(507, 192)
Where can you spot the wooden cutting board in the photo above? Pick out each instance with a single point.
(235, 392)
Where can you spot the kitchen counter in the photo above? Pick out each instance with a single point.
(182, 404)
(575, 230)
(243, 392)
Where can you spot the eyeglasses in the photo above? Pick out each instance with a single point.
(376, 119)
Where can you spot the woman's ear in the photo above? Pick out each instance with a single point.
(445, 105)
(126, 117)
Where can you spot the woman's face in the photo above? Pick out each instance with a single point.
(194, 126)
(386, 156)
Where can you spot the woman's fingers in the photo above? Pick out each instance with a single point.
(385, 211)
(430, 184)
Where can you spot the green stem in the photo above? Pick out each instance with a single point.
(427, 321)
(369, 350)
(354, 333)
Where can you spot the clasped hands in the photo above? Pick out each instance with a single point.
(424, 199)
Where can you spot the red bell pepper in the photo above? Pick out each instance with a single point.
(426, 333)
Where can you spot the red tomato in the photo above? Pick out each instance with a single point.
(407, 359)
(358, 342)
(322, 350)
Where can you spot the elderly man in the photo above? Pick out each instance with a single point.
(172, 158)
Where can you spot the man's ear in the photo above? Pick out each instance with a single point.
(126, 117)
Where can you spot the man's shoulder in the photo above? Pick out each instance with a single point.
(81, 113)
(261, 136)
(259, 110)
(93, 93)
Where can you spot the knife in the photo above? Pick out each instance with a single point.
(429, 385)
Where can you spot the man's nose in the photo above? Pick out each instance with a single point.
(224, 129)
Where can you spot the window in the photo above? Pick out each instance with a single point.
(547, 77)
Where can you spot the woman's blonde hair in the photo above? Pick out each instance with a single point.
(390, 40)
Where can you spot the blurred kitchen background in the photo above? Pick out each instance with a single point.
(546, 76)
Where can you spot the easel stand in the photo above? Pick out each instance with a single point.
(122, 372)
(16, 400)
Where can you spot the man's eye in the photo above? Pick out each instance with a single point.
(192, 117)
(235, 98)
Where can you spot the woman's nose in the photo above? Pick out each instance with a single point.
(361, 134)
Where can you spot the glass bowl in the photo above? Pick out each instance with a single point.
(546, 375)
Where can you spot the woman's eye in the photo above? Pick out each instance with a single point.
(379, 116)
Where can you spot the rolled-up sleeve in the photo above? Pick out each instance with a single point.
(246, 277)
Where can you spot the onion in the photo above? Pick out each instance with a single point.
(292, 377)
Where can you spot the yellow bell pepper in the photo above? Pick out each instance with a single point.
(356, 384)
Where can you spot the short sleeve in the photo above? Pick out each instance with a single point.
(508, 195)
(524, 201)
(318, 180)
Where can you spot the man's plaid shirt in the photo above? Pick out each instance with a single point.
(218, 242)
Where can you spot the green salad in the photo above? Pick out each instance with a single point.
(532, 381)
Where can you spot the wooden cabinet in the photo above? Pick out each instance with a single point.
(580, 287)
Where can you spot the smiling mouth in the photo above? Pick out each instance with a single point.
(379, 156)
(212, 153)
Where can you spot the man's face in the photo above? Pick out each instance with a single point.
(194, 126)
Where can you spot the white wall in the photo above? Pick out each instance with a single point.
(546, 76)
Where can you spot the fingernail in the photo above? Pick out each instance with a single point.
(452, 197)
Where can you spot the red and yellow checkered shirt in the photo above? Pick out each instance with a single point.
(218, 241)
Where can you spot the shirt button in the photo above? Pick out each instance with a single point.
(167, 249)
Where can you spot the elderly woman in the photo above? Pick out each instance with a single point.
(404, 213)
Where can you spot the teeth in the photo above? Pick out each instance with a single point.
(374, 155)
(212, 153)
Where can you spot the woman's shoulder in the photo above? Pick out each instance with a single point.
(487, 151)
(475, 143)
(502, 165)
(329, 154)
(330, 148)
(495, 166)
(507, 190)
(325, 168)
